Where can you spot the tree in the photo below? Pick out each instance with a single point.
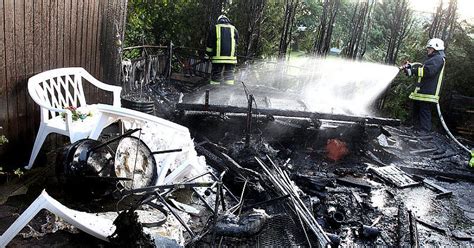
(460, 61)
(183, 22)
(359, 30)
(213, 11)
(326, 26)
(444, 22)
(394, 19)
(285, 36)
(251, 14)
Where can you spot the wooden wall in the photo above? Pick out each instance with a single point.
(38, 35)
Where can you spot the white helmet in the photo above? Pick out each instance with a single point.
(436, 44)
(222, 17)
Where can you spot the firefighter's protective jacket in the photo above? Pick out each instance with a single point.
(430, 78)
(222, 42)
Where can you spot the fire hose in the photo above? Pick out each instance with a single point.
(471, 162)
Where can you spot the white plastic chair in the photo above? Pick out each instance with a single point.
(56, 89)
(90, 223)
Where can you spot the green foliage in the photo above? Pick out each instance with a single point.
(159, 22)
(18, 172)
(459, 74)
(309, 17)
(76, 114)
(396, 102)
(273, 23)
(343, 24)
(3, 139)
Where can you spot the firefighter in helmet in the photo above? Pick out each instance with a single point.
(428, 86)
(221, 48)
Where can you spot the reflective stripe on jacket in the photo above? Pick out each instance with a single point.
(222, 43)
(430, 78)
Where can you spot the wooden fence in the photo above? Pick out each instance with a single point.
(38, 35)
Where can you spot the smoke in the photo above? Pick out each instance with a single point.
(328, 85)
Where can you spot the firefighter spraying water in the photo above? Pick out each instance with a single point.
(428, 86)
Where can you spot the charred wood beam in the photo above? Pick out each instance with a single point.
(287, 113)
(432, 226)
(354, 182)
(212, 152)
(248, 128)
(407, 230)
(442, 192)
(467, 176)
(413, 230)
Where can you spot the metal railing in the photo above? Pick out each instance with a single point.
(148, 64)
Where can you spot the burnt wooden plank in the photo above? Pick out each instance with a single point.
(101, 41)
(123, 21)
(60, 33)
(114, 39)
(83, 41)
(29, 38)
(67, 33)
(119, 10)
(53, 43)
(11, 73)
(110, 48)
(61, 39)
(84, 36)
(95, 42)
(73, 32)
(95, 56)
(288, 113)
(95, 38)
(90, 22)
(465, 176)
(53, 21)
(355, 182)
(460, 235)
(44, 35)
(78, 36)
(3, 79)
(107, 29)
(38, 49)
(432, 226)
(442, 192)
(29, 70)
(395, 176)
(46, 20)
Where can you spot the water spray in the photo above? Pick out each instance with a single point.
(327, 85)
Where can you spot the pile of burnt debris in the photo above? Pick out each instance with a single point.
(270, 181)
(342, 183)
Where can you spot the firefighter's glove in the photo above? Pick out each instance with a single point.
(407, 69)
(415, 67)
